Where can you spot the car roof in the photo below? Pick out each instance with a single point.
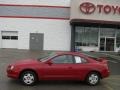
(71, 53)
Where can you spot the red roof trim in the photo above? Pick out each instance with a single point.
(34, 5)
(34, 17)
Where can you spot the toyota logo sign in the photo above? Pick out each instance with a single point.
(87, 8)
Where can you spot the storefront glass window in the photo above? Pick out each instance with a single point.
(118, 38)
(107, 32)
(86, 36)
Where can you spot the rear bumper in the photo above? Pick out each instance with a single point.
(106, 74)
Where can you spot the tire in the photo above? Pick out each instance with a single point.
(93, 79)
(28, 78)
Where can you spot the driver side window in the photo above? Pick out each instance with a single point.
(63, 59)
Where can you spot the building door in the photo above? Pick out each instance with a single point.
(36, 41)
(110, 44)
(9, 39)
(107, 44)
(102, 44)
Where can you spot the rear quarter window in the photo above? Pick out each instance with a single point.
(79, 59)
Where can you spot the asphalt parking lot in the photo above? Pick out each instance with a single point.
(11, 55)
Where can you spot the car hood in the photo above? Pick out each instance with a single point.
(25, 61)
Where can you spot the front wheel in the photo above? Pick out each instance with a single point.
(28, 78)
(93, 79)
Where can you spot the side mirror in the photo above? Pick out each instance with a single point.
(49, 63)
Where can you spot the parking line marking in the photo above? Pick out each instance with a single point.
(113, 56)
(114, 78)
(108, 87)
(112, 61)
(115, 83)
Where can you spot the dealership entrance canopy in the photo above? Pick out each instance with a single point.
(95, 25)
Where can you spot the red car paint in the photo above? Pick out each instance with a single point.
(46, 70)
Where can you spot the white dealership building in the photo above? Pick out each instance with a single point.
(65, 25)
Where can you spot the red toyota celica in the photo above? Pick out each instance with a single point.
(60, 66)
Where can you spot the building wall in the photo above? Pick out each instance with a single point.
(38, 2)
(54, 25)
(77, 14)
(57, 33)
(50, 17)
(50, 27)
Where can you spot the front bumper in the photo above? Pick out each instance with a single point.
(12, 74)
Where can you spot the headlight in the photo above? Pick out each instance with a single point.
(11, 67)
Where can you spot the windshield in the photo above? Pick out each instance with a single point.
(46, 56)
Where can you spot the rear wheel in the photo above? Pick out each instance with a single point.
(93, 78)
(28, 78)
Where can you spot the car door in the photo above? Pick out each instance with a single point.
(81, 67)
(60, 69)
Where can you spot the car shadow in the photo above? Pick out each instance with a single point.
(52, 85)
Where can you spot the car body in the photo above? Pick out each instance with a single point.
(60, 66)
